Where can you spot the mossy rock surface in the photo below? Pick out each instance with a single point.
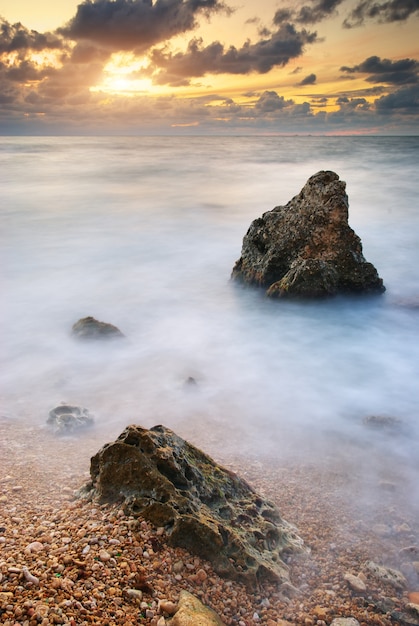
(204, 507)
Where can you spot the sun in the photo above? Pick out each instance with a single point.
(121, 84)
(125, 74)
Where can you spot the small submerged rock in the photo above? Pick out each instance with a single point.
(66, 419)
(90, 328)
(384, 423)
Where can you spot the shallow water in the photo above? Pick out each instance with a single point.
(143, 233)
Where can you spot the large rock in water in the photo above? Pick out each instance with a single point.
(204, 508)
(306, 248)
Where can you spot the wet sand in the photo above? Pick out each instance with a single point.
(67, 561)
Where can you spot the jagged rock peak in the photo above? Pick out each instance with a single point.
(307, 248)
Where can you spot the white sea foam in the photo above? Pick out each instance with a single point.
(143, 233)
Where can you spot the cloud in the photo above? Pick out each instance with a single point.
(17, 38)
(402, 72)
(353, 103)
(135, 24)
(39, 72)
(403, 100)
(270, 101)
(383, 12)
(367, 92)
(24, 72)
(277, 50)
(308, 80)
(104, 113)
(87, 53)
(308, 14)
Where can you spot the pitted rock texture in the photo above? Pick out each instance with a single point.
(90, 328)
(306, 248)
(204, 507)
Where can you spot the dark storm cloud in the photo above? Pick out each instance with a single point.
(404, 100)
(135, 24)
(308, 14)
(308, 80)
(392, 11)
(17, 38)
(403, 72)
(277, 50)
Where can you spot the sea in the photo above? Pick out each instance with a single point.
(143, 233)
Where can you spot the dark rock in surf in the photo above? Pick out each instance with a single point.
(306, 248)
(66, 419)
(204, 507)
(90, 328)
(384, 423)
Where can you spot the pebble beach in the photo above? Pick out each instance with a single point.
(64, 560)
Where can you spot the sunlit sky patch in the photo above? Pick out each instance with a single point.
(306, 66)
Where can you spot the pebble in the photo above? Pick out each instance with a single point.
(135, 594)
(35, 546)
(104, 555)
(355, 583)
(345, 621)
(30, 577)
(166, 606)
(178, 567)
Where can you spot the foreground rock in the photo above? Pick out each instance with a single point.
(191, 612)
(306, 248)
(90, 328)
(204, 508)
(65, 419)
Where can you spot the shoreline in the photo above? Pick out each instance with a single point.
(86, 557)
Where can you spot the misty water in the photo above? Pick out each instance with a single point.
(143, 233)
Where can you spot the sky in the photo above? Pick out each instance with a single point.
(209, 67)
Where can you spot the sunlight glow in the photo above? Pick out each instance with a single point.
(125, 74)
